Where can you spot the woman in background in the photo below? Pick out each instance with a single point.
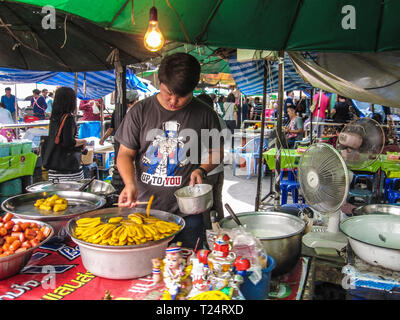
(64, 104)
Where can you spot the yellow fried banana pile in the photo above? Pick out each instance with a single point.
(53, 203)
(136, 229)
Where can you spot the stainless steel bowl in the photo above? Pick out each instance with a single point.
(280, 233)
(22, 206)
(99, 187)
(11, 265)
(375, 239)
(377, 209)
(194, 200)
(122, 262)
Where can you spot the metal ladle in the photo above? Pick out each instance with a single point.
(233, 215)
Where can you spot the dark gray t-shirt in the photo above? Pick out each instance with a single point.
(168, 145)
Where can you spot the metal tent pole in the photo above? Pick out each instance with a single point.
(277, 198)
(260, 157)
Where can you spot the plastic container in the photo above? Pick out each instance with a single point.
(260, 291)
(10, 188)
(15, 148)
(26, 146)
(4, 149)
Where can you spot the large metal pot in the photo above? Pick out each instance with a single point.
(375, 239)
(377, 209)
(194, 200)
(280, 233)
(122, 262)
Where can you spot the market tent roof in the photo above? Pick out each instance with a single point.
(367, 77)
(98, 83)
(290, 25)
(249, 76)
(75, 44)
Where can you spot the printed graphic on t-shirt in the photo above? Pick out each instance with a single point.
(165, 157)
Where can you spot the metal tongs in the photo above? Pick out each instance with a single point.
(86, 184)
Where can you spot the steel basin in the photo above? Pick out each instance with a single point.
(280, 233)
(22, 206)
(377, 209)
(194, 200)
(122, 262)
(11, 265)
(375, 238)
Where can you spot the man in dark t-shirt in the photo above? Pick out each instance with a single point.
(162, 136)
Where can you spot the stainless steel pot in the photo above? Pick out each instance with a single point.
(194, 200)
(11, 265)
(122, 262)
(377, 209)
(375, 239)
(280, 233)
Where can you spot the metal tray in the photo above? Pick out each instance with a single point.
(48, 186)
(78, 203)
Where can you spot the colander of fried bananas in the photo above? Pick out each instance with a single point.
(133, 229)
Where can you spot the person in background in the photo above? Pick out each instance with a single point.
(387, 115)
(294, 130)
(319, 110)
(245, 109)
(255, 113)
(65, 103)
(289, 101)
(6, 118)
(341, 111)
(230, 116)
(132, 96)
(9, 101)
(49, 102)
(221, 101)
(38, 104)
(215, 177)
(91, 109)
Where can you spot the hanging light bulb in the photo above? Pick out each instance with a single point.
(153, 39)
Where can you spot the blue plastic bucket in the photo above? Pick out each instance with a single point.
(260, 291)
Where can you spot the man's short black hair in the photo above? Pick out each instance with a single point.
(180, 72)
(7, 89)
(37, 91)
(291, 106)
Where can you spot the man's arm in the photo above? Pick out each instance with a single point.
(126, 168)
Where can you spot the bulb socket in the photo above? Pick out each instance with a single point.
(153, 14)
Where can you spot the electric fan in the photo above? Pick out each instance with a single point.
(325, 178)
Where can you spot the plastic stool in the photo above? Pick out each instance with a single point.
(361, 193)
(390, 183)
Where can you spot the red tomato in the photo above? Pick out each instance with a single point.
(30, 234)
(3, 231)
(25, 225)
(19, 235)
(15, 245)
(9, 224)
(16, 228)
(22, 249)
(10, 239)
(7, 217)
(46, 231)
(34, 242)
(26, 244)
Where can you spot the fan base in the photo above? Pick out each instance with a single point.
(318, 237)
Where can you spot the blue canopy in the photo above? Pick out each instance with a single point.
(249, 76)
(98, 83)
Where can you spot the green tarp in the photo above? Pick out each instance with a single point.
(291, 25)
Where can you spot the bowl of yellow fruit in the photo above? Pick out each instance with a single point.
(54, 208)
(119, 243)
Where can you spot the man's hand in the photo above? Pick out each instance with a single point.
(128, 197)
(196, 177)
(101, 142)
